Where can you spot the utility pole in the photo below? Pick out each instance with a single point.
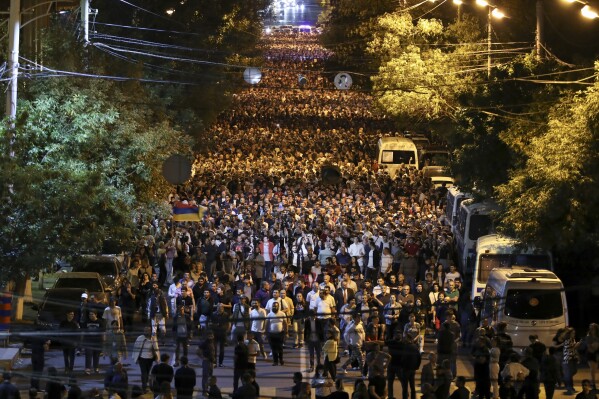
(489, 41)
(85, 20)
(539, 32)
(14, 32)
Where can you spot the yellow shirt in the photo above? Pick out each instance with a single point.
(330, 349)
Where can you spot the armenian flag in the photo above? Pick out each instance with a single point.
(186, 212)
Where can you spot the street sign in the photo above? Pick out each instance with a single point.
(252, 75)
(176, 169)
(343, 81)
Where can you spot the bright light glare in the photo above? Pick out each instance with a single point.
(496, 13)
(268, 31)
(170, 11)
(589, 13)
(458, 2)
(482, 3)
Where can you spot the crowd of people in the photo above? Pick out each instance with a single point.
(284, 260)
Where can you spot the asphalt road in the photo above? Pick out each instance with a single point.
(274, 381)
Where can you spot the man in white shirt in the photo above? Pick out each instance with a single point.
(312, 296)
(258, 324)
(325, 309)
(356, 249)
(275, 299)
(380, 288)
(277, 330)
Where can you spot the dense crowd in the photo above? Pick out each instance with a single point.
(283, 258)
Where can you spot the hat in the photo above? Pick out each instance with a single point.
(84, 295)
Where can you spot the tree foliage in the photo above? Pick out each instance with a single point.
(425, 67)
(86, 157)
(349, 28)
(552, 200)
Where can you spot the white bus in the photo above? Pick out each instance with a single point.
(475, 219)
(497, 251)
(454, 199)
(393, 152)
(529, 301)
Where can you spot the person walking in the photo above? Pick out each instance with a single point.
(570, 359)
(93, 343)
(185, 379)
(331, 355)
(258, 324)
(410, 362)
(70, 331)
(162, 373)
(240, 362)
(8, 390)
(39, 346)
(277, 330)
(354, 337)
(314, 339)
(207, 352)
(158, 312)
(145, 352)
(181, 327)
(115, 343)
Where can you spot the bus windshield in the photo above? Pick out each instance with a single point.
(480, 225)
(534, 304)
(398, 157)
(488, 262)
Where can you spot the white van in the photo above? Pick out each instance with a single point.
(393, 152)
(454, 199)
(529, 301)
(498, 251)
(475, 219)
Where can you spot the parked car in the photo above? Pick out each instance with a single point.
(91, 282)
(54, 305)
(107, 266)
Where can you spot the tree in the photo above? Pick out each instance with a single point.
(552, 200)
(424, 66)
(348, 29)
(86, 156)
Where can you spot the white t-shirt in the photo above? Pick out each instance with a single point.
(266, 253)
(276, 321)
(258, 323)
(325, 307)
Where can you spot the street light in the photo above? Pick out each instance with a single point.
(459, 4)
(588, 12)
(494, 12)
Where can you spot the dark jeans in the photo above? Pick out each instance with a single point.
(392, 373)
(69, 358)
(207, 369)
(181, 342)
(220, 339)
(330, 368)
(37, 365)
(267, 270)
(314, 348)
(92, 358)
(276, 345)
(549, 389)
(259, 338)
(237, 374)
(145, 365)
(408, 377)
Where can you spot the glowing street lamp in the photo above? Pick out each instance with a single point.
(494, 12)
(588, 12)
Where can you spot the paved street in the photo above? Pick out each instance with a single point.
(274, 381)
